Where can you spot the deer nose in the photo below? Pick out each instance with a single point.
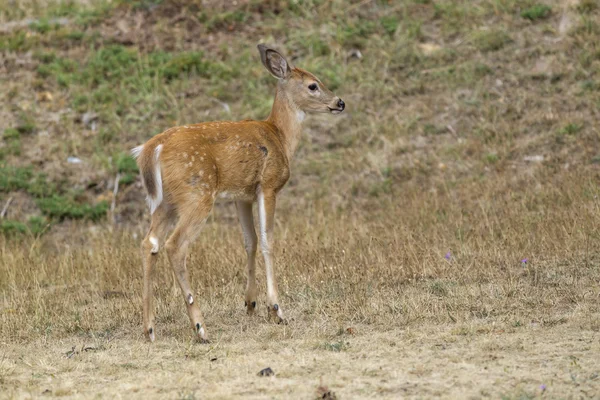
(341, 104)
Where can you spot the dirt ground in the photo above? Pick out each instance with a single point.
(431, 361)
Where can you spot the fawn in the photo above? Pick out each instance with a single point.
(185, 169)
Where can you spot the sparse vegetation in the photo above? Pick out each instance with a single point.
(470, 126)
(61, 207)
(491, 40)
(536, 12)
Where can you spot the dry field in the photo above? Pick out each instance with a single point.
(439, 239)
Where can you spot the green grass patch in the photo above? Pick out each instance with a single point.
(118, 64)
(53, 201)
(537, 12)
(438, 288)
(19, 178)
(108, 72)
(390, 24)
(356, 33)
(12, 139)
(335, 346)
(64, 207)
(125, 163)
(491, 158)
(139, 4)
(43, 26)
(14, 178)
(570, 129)
(127, 167)
(18, 41)
(35, 226)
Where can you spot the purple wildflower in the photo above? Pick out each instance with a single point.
(448, 255)
(543, 387)
(524, 261)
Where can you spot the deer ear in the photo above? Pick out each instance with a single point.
(274, 62)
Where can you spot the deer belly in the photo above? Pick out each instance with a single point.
(235, 195)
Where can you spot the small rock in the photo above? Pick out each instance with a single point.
(123, 26)
(74, 160)
(88, 118)
(565, 25)
(543, 67)
(536, 158)
(429, 48)
(266, 372)
(355, 53)
(44, 96)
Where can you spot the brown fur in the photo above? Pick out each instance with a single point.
(241, 161)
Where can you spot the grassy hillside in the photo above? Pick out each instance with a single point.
(453, 205)
(439, 93)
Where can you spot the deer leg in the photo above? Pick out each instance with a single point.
(266, 213)
(150, 247)
(244, 210)
(187, 229)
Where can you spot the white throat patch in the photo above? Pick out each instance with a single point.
(300, 115)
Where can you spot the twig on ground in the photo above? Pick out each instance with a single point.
(114, 199)
(5, 208)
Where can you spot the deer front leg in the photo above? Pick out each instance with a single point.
(244, 210)
(266, 213)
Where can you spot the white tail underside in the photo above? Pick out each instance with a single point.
(153, 202)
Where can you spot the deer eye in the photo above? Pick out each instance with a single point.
(312, 86)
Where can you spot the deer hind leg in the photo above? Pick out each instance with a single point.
(266, 213)
(150, 247)
(187, 229)
(244, 210)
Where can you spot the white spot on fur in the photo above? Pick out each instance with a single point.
(300, 115)
(190, 299)
(155, 202)
(154, 242)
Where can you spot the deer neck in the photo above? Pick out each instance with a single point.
(288, 118)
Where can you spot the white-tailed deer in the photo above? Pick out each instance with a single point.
(186, 168)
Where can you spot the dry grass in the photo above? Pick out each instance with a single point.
(421, 325)
(470, 144)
